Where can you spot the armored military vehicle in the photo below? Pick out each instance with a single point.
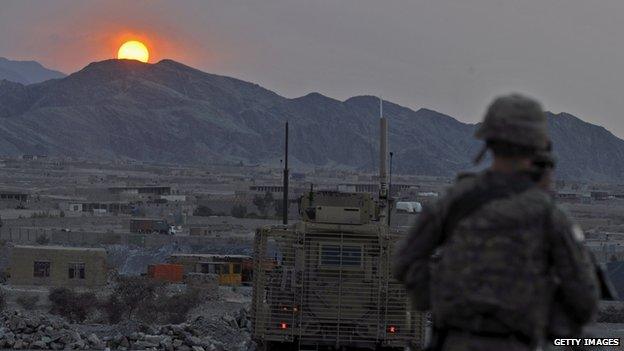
(326, 281)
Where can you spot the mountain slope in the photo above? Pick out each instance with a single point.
(26, 72)
(170, 112)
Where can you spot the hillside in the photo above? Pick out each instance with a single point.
(170, 112)
(26, 72)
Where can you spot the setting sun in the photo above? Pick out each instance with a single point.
(133, 50)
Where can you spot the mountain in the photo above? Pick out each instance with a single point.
(169, 112)
(26, 72)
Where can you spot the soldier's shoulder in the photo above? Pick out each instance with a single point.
(464, 182)
(561, 216)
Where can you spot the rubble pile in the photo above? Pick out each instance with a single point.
(39, 331)
(228, 333)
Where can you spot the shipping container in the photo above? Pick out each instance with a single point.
(148, 226)
(172, 273)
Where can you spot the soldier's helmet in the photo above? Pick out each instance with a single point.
(515, 119)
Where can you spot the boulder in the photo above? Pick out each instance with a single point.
(192, 341)
(39, 345)
(142, 345)
(123, 342)
(93, 339)
(154, 339)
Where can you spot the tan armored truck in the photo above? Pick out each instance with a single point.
(326, 281)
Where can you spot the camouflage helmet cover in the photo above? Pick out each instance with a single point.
(515, 119)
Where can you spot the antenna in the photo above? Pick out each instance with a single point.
(390, 199)
(383, 163)
(285, 192)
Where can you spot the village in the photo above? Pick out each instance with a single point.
(80, 238)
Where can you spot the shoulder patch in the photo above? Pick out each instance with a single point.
(577, 233)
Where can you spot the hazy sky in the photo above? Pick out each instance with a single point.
(451, 56)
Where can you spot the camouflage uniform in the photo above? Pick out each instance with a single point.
(491, 282)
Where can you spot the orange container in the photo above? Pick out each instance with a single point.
(168, 272)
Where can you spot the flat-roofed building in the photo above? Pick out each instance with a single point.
(231, 269)
(57, 266)
(147, 189)
(8, 195)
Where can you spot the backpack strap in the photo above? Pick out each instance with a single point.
(479, 196)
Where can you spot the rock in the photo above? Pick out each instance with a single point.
(167, 344)
(148, 329)
(230, 320)
(9, 341)
(80, 344)
(142, 344)
(154, 339)
(124, 342)
(192, 341)
(93, 339)
(178, 329)
(27, 338)
(39, 345)
(46, 339)
(56, 346)
(18, 344)
(197, 348)
(177, 343)
(75, 335)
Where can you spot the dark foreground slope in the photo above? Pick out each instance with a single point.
(170, 112)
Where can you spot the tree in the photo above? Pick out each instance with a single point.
(258, 201)
(72, 305)
(128, 296)
(203, 211)
(278, 206)
(263, 202)
(239, 211)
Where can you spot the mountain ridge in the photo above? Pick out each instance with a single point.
(26, 72)
(171, 112)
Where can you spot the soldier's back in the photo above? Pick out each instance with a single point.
(491, 276)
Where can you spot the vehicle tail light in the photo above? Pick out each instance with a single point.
(283, 325)
(392, 329)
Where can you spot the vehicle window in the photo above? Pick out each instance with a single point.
(337, 255)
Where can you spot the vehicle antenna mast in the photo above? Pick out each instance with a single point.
(285, 192)
(383, 164)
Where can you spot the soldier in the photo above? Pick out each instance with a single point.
(488, 257)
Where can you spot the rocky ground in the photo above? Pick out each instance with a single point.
(219, 324)
(25, 330)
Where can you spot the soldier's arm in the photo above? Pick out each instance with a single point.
(573, 268)
(415, 251)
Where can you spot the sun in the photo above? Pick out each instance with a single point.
(133, 50)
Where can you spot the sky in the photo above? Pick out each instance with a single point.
(452, 56)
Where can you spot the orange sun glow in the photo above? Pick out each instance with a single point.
(133, 50)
